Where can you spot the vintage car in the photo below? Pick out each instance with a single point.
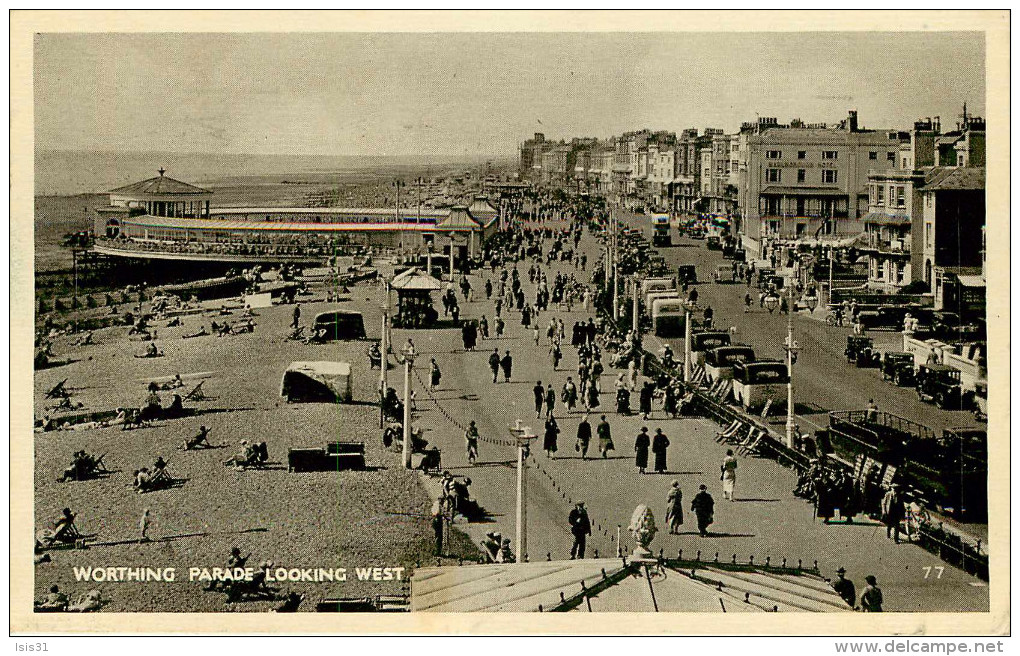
(898, 366)
(739, 254)
(757, 383)
(714, 243)
(705, 341)
(719, 361)
(723, 273)
(669, 316)
(687, 273)
(941, 385)
(861, 351)
(888, 317)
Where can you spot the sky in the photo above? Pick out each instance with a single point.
(478, 94)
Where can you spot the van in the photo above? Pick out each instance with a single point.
(723, 273)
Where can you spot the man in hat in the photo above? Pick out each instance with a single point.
(893, 512)
(539, 391)
(580, 527)
(703, 506)
(494, 364)
(507, 363)
(871, 598)
(437, 522)
(844, 587)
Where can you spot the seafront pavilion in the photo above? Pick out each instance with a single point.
(162, 218)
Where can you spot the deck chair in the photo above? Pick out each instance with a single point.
(724, 393)
(752, 446)
(728, 432)
(698, 376)
(196, 393)
(751, 434)
(58, 391)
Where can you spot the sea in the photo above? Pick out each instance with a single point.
(71, 184)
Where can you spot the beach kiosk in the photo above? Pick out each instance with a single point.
(414, 290)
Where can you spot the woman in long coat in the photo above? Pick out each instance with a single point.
(645, 399)
(659, 445)
(593, 395)
(675, 508)
(551, 431)
(641, 444)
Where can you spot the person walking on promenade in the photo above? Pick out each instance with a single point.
(605, 434)
(494, 363)
(550, 400)
(728, 474)
(583, 437)
(747, 303)
(871, 598)
(645, 399)
(500, 325)
(488, 289)
(297, 317)
(483, 327)
(539, 391)
(569, 394)
(435, 376)
(556, 354)
(580, 528)
(675, 508)
(593, 395)
(893, 512)
(552, 431)
(660, 443)
(641, 444)
(507, 363)
(471, 442)
(438, 518)
(703, 506)
(536, 334)
(844, 587)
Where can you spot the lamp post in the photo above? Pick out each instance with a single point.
(616, 274)
(408, 365)
(791, 351)
(689, 308)
(524, 435)
(384, 343)
(634, 318)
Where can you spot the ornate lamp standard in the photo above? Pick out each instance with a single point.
(791, 357)
(524, 436)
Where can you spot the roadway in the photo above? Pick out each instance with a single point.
(766, 521)
(823, 380)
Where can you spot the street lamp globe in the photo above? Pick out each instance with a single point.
(812, 302)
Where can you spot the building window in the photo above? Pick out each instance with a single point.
(873, 155)
(891, 157)
(773, 154)
(880, 193)
(829, 176)
(927, 234)
(830, 154)
(801, 154)
(801, 175)
(773, 175)
(901, 197)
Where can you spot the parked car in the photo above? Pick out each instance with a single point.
(687, 273)
(714, 244)
(898, 366)
(941, 385)
(861, 351)
(889, 317)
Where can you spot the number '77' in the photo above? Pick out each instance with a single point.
(939, 569)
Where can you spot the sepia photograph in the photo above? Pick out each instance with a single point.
(700, 315)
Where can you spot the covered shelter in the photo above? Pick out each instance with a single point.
(341, 325)
(317, 381)
(619, 584)
(414, 290)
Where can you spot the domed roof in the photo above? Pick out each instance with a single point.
(159, 186)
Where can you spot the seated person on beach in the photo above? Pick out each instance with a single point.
(159, 471)
(176, 407)
(64, 529)
(143, 480)
(318, 336)
(247, 312)
(175, 383)
(84, 340)
(199, 441)
(224, 311)
(151, 351)
(55, 600)
(201, 332)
